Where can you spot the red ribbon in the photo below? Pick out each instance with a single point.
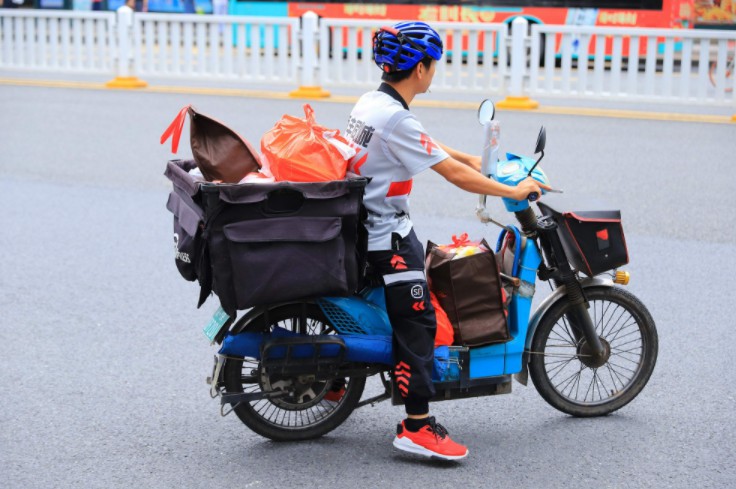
(460, 241)
(175, 129)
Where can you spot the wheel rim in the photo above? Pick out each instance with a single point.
(567, 371)
(306, 405)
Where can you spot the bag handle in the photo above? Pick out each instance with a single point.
(517, 248)
(309, 114)
(291, 204)
(175, 128)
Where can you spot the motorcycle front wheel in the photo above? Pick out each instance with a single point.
(570, 380)
(313, 408)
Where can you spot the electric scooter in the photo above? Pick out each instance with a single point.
(296, 371)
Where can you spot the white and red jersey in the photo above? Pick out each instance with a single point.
(392, 147)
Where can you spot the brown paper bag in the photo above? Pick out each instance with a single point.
(221, 154)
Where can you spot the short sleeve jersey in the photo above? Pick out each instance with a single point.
(392, 147)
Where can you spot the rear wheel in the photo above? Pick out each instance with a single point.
(568, 377)
(313, 407)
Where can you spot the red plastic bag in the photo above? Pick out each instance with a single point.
(445, 334)
(300, 150)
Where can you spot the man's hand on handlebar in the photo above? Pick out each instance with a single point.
(527, 187)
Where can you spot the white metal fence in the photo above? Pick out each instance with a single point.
(60, 41)
(346, 54)
(225, 47)
(664, 64)
(678, 66)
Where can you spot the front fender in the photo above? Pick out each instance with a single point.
(554, 297)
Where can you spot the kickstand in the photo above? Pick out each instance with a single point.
(381, 397)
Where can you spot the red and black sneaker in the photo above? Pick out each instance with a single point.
(431, 440)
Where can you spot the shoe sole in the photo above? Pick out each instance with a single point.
(407, 445)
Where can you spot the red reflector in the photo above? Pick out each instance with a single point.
(602, 234)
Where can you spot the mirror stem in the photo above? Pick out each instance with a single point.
(535, 164)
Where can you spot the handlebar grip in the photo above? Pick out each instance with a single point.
(532, 197)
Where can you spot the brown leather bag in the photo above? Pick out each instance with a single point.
(469, 290)
(220, 153)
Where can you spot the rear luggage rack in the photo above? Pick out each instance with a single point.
(320, 356)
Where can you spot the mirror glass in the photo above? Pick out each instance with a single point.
(486, 111)
(541, 140)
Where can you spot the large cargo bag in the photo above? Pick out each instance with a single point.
(265, 243)
(469, 290)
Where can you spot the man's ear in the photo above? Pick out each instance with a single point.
(421, 70)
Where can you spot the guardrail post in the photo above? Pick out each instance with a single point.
(516, 98)
(125, 77)
(308, 87)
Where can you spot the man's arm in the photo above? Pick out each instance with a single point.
(470, 160)
(464, 177)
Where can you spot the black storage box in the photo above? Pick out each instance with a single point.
(265, 243)
(593, 240)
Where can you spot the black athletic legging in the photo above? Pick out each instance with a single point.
(412, 318)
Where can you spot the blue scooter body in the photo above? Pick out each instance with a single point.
(366, 314)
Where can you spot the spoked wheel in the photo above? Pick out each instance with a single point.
(311, 408)
(570, 379)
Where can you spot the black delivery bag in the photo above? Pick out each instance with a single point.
(185, 204)
(265, 243)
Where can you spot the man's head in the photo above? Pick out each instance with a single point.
(399, 49)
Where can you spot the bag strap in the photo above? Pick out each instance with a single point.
(175, 128)
(517, 247)
(205, 272)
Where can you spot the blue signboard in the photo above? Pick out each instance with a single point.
(169, 6)
(50, 3)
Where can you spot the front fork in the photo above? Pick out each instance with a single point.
(583, 328)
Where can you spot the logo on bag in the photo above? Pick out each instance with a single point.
(178, 254)
(417, 292)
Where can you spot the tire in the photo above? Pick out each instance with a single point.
(293, 418)
(557, 365)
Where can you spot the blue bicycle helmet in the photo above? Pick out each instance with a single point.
(402, 46)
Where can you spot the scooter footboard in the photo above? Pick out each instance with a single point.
(453, 377)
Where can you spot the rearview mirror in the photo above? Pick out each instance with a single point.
(486, 111)
(541, 141)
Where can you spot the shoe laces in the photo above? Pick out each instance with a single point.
(436, 428)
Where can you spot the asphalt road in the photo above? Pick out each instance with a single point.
(103, 360)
